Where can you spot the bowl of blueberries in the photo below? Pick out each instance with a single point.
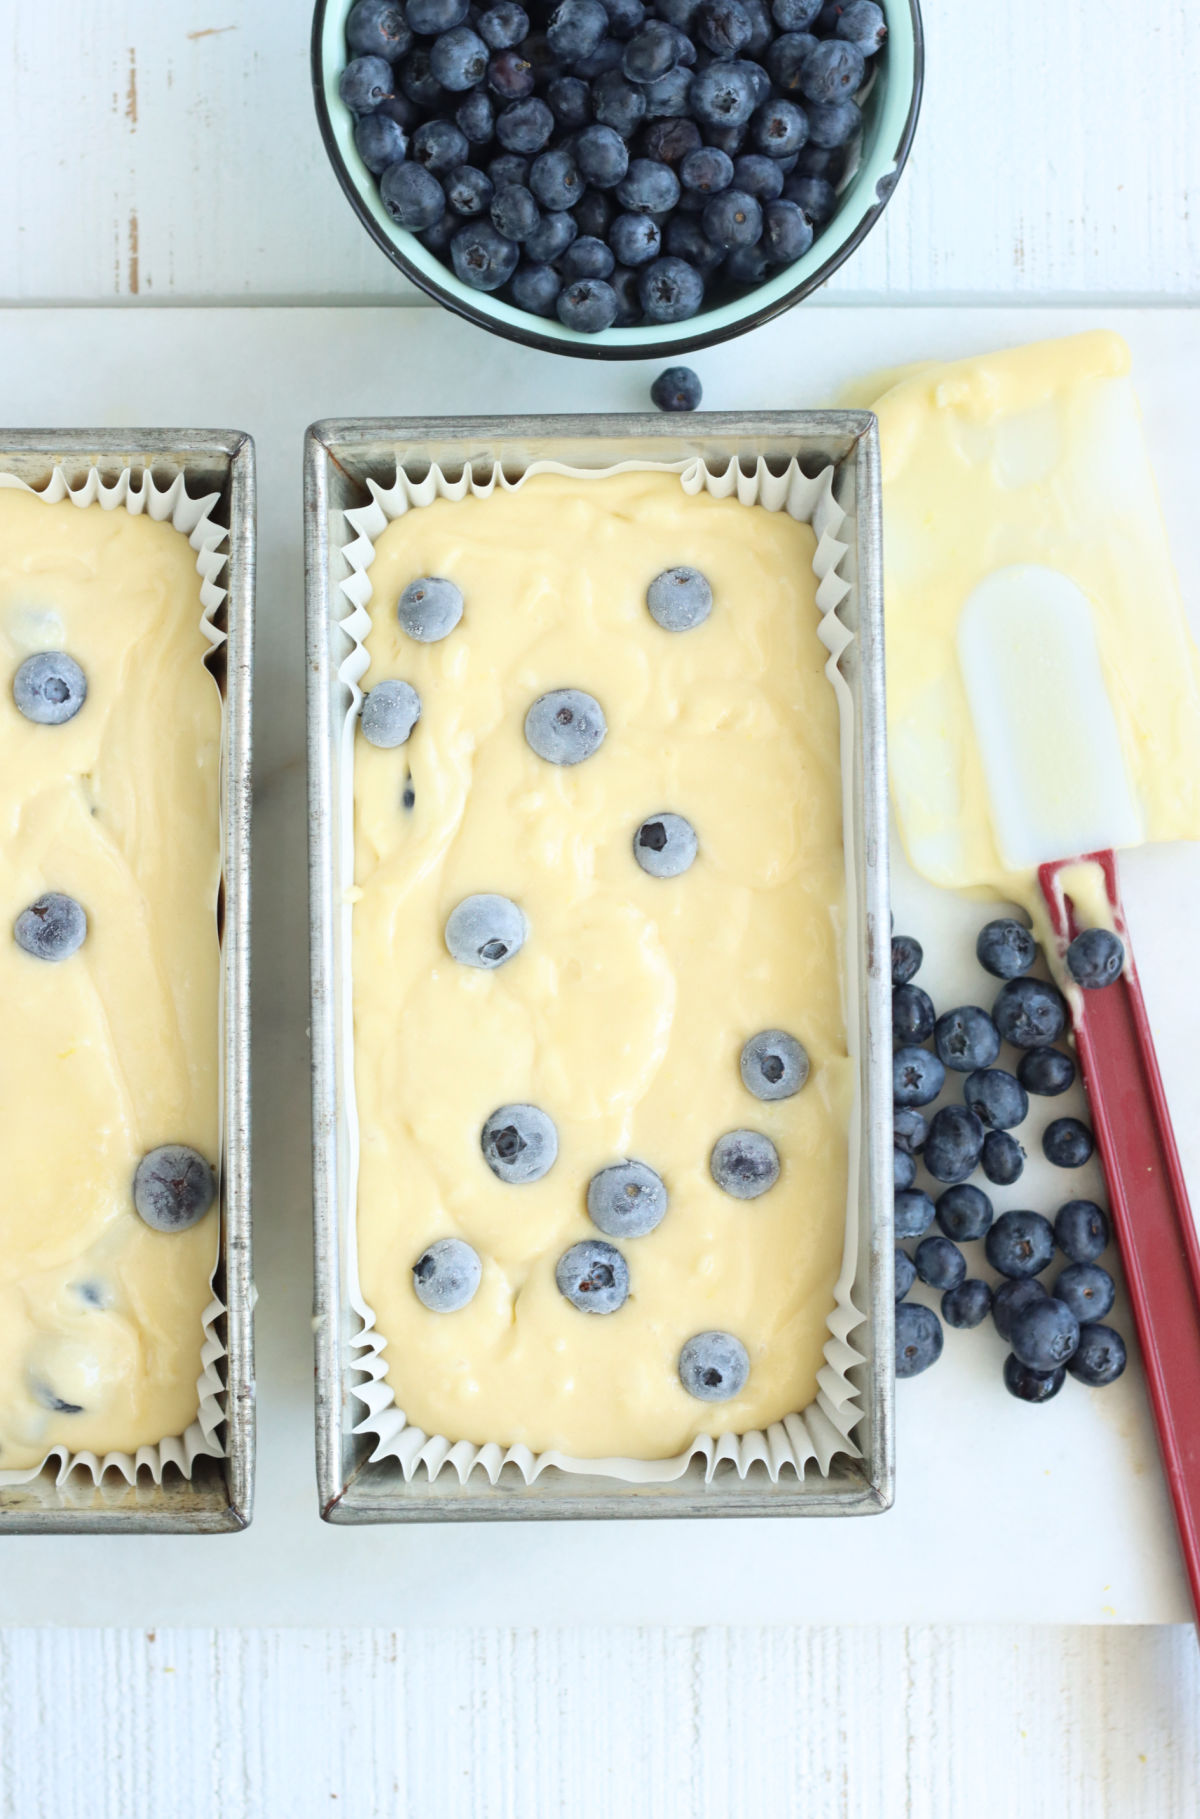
(623, 179)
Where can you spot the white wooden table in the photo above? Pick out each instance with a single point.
(166, 154)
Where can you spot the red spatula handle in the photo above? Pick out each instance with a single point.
(1153, 1218)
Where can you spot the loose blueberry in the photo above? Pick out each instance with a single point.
(626, 1200)
(593, 1276)
(648, 187)
(459, 59)
(576, 28)
(565, 726)
(507, 167)
(1010, 1297)
(446, 1275)
(968, 1304)
(795, 15)
(671, 290)
(173, 1188)
(758, 176)
(913, 1213)
(485, 931)
(832, 127)
(779, 128)
(1020, 1244)
(503, 25)
(724, 94)
(714, 1367)
(1047, 1071)
(588, 305)
(1100, 1356)
(832, 71)
(907, 955)
(744, 1164)
(412, 196)
(536, 288)
(586, 258)
(551, 240)
(722, 27)
(1030, 1385)
(524, 126)
(510, 77)
(624, 282)
(954, 1144)
(379, 142)
(570, 101)
(917, 1076)
(555, 180)
(862, 23)
(773, 1065)
(364, 83)
(1095, 958)
(1081, 1231)
(670, 140)
(519, 1144)
(680, 598)
(1087, 1290)
(602, 157)
(515, 212)
(676, 389)
(1044, 1333)
(966, 1039)
(389, 713)
(706, 170)
(665, 845)
(468, 192)
(685, 239)
(909, 1129)
(1067, 1143)
(52, 928)
(429, 17)
(418, 82)
(919, 1338)
(998, 1099)
(651, 52)
(813, 195)
(1029, 1013)
(593, 212)
(49, 688)
(913, 1015)
(617, 102)
(733, 219)
(940, 1264)
(904, 1170)
(1002, 1158)
(378, 28)
(429, 608)
(787, 232)
(906, 1273)
(439, 146)
(964, 1212)
(1005, 948)
(624, 16)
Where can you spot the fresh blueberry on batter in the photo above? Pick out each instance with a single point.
(1001, 1158)
(429, 608)
(485, 931)
(173, 1188)
(954, 1144)
(967, 1305)
(774, 1065)
(904, 1170)
(713, 1367)
(1030, 1385)
(1046, 1071)
(519, 1143)
(996, 1098)
(964, 1212)
(593, 1276)
(906, 1273)
(907, 955)
(1005, 948)
(919, 1338)
(389, 713)
(1043, 1333)
(1100, 1357)
(626, 1200)
(665, 845)
(913, 1213)
(1087, 1290)
(917, 1076)
(940, 1263)
(49, 688)
(913, 1015)
(966, 1039)
(1009, 1298)
(1029, 1013)
(1067, 1142)
(744, 1164)
(909, 1129)
(566, 726)
(446, 1275)
(53, 928)
(679, 599)
(1081, 1230)
(1020, 1244)
(1095, 958)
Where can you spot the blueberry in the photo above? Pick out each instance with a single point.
(773, 1065)
(904, 1171)
(1095, 958)
(758, 176)
(399, 108)
(524, 126)
(409, 795)
(648, 187)
(389, 713)
(1087, 1290)
(667, 99)
(510, 77)
(653, 51)
(1030, 1385)
(1020, 1244)
(364, 83)
(173, 1188)
(762, 28)
(592, 213)
(459, 59)
(485, 931)
(503, 25)
(1010, 1297)
(1029, 1012)
(917, 1076)
(832, 71)
(670, 141)
(576, 28)
(626, 1200)
(862, 23)
(379, 142)
(429, 608)
(555, 179)
(733, 219)
(966, 1039)
(909, 1129)
(816, 197)
(617, 102)
(794, 15)
(671, 290)
(679, 13)
(1100, 1357)
(624, 282)
(723, 27)
(1044, 1333)
(536, 288)
(438, 237)
(827, 163)
(468, 192)
(519, 1143)
(624, 16)
(913, 1213)
(685, 239)
(954, 1144)
(635, 239)
(515, 212)
(998, 1100)
(677, 388)
(1067, 1143)
(565, 726)
(968, 1304)
(714, 1367)
(940, 1264)
(906, 1273)
(49, 688)
(1047, 1071)
(446, 1275)
(1081, 1231)
(483, 257)
(602, 156)
(551, 240)
(412, 196)
(439, 146)
(52, 928)
(586, 258)
(605, 58)
(1002, 1158)
(913, 1015)
(907, 955)
(919, 1338)
(509, 167)
(1005, 948)
(541, 59)
(679, 598)
(665, 845)
(779, 128)
(964, 1212)
(744, 1164)
(786, 59)
(570, 101)
(429, 17)
(418, 82)
(830, 128)
(378, 28)
(707, 170)
(724, 94)
(593, 1276)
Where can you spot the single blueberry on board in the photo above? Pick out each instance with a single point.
(173, 1188)
(1020, 1243)
(1100, 1356)
(714, 1367)
(968, 1304)
(913, 1015)
(744, 1164)
(593, 1276)
(484, 931)
(913, 1213)
(1046, 1071)
(1087, 1289)
(773, 1065)
(909, 1129)
(1044, 1333)
(565, 726)
(679, 599)
(1009, 1297)
(1067, 1143)
(677, 388)
(919, 1338)
(997, 1098)
(665, 845)
(389, 713)
(429, 608)
(1001, 1158)
(1029, 1013)
(626, 1199)
(917, 1076)
(906, 1273)
(446, 1275)
(1095, 958)
(954, 1144)
(49, 688)
(904, 1170)
(940, 1263)
(966, 1038)
(519, 1144)
(1081, 1231)
(964, 1212)
(1030, 1385)
(52, 928)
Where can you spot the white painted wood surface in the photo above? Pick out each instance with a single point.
(169, 152)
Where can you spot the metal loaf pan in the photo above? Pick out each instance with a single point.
(340, 457)
(219, 1494)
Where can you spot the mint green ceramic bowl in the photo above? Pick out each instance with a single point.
(889, 117)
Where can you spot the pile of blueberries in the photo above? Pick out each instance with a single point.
(1049, 1332)
(611, 162)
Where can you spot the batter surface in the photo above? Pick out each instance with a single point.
(112, 1051)
(624, 1014)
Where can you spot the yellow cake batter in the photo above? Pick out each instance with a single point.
(112, 1051)
(624, 1014)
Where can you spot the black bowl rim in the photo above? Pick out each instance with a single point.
(600, 350)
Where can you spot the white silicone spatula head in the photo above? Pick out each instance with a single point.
(1044, 722)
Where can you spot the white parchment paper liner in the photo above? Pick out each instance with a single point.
(191, 518)
(825, 1427)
